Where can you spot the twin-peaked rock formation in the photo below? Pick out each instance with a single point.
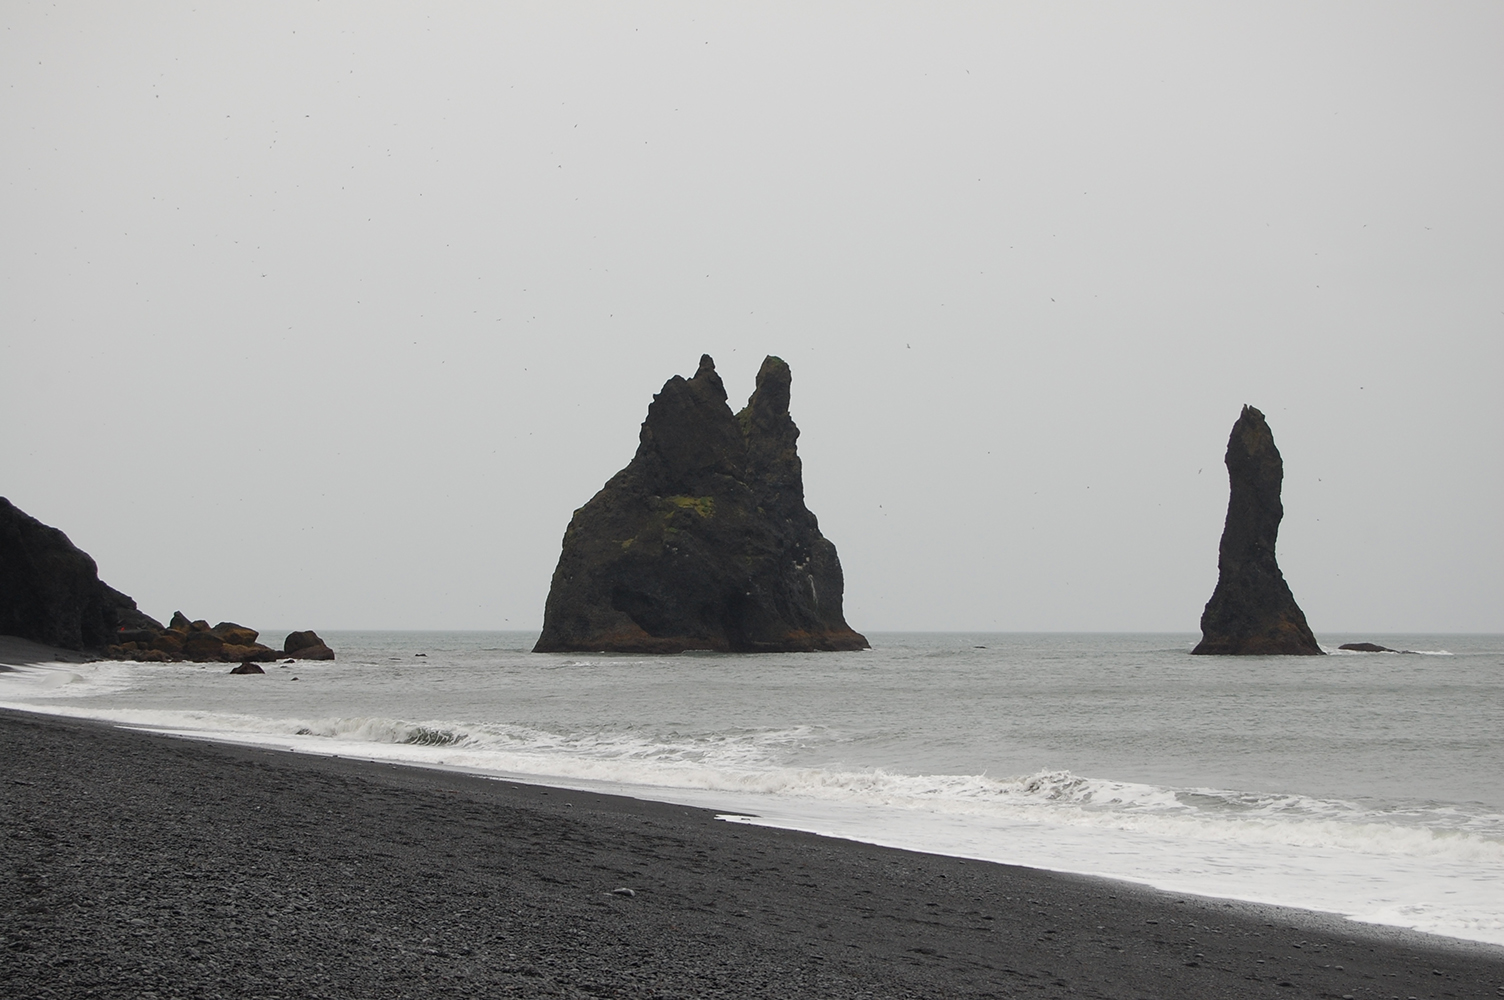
(1252, 610)
(703, 540)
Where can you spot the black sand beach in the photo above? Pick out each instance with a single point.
(146, 866)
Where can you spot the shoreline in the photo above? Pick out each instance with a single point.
(18, 652)
(141, 862)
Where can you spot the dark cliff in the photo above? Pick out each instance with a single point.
(703, 540)
(50, 592)
(50, 589)
(1252, 611)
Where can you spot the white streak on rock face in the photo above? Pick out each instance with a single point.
(812, 592)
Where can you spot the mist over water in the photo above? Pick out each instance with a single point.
(1365, 784)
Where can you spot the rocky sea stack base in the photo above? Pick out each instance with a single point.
(703, 540)
(1252, 611)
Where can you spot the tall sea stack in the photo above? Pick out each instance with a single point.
(703, 540)
(1252, 611)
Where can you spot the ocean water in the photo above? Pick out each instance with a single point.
(1370, 785)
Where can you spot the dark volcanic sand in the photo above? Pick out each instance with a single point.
(139, 865)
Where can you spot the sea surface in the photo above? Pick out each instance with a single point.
(1370, 785)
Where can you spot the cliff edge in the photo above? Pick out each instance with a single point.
(703, 540)
(1252, 611)
(50, 591)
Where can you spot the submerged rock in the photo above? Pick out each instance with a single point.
(1252, 611)
(1367, 647)
(703, 540)
(247, 668)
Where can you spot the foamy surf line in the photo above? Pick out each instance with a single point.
(1407, 878)
(1339, 651)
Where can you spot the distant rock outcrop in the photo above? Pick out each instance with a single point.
(197, 641)
(306, 646)
(50, 590)
(1252, 611)
(703, 540)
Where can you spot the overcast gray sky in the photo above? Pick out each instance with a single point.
(328, 315)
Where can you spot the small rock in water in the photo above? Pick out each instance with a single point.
(248, 668)
(623, 892)
(1366, 647)
(306, 646)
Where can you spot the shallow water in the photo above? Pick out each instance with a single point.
(1366, 784)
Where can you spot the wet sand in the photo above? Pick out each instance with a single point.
(15, 650)
(138, 865)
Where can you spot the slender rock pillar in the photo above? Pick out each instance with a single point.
(1252, 611)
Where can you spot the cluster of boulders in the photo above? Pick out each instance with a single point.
(198, 642)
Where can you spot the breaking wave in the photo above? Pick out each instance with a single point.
(745, 764)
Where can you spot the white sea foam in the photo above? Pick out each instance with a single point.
(634, 725)
(738, 764)
(1339, 651)
(1441, 870)
(66, 681)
